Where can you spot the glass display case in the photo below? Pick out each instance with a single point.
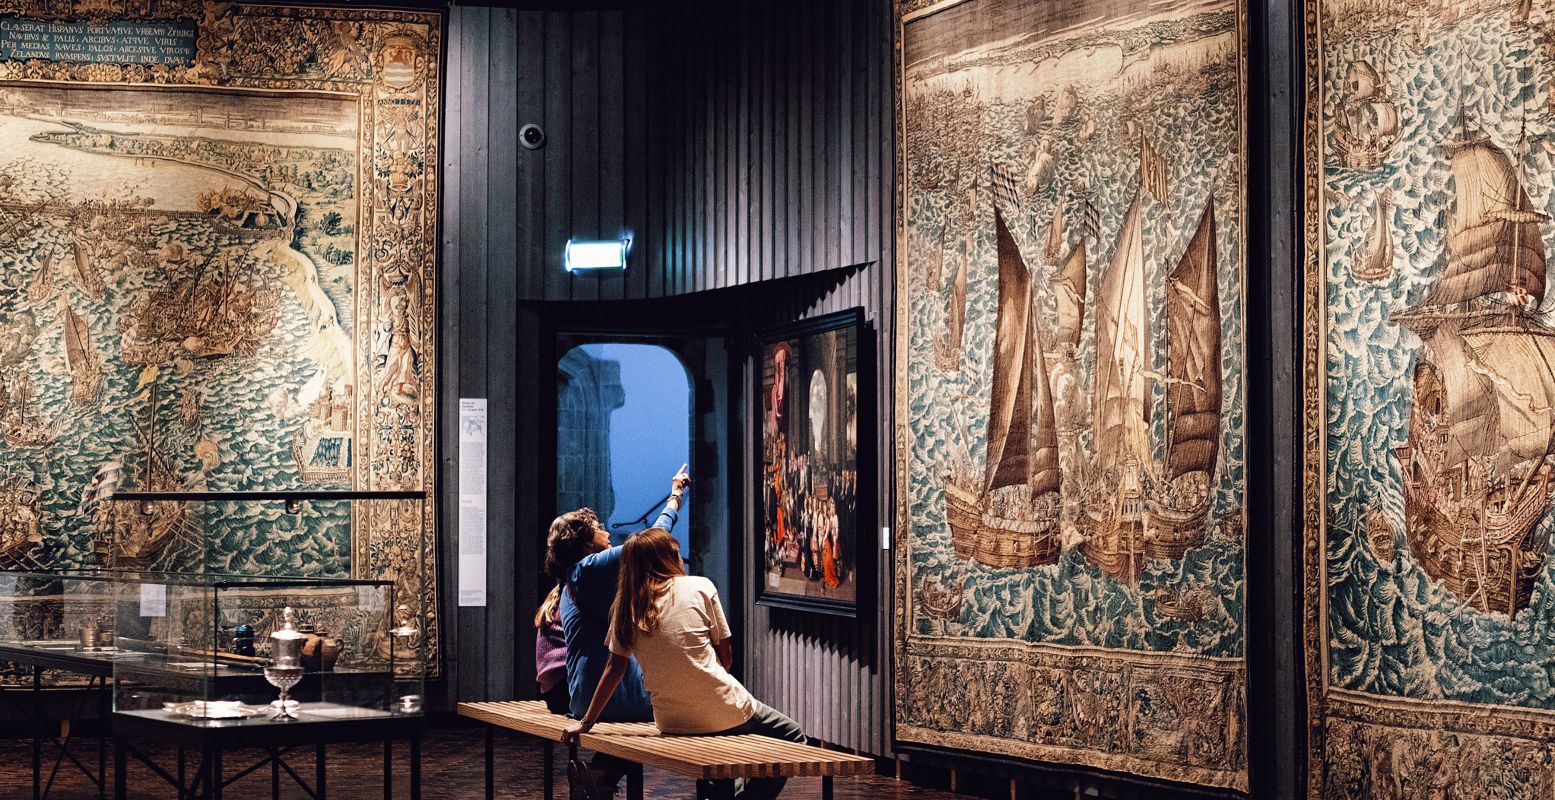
(51, 620)
(356, 534)
(222, 650)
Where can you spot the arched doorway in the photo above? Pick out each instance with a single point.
(624, 426)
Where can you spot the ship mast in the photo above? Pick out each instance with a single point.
(151, 434)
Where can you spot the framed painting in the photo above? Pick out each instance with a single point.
(810, 465)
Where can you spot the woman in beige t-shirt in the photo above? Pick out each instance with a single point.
(675, 626)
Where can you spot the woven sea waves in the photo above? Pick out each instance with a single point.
(222, 268)
(1069, 388)
(1428, 404)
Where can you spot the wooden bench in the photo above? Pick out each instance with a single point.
(707, 759)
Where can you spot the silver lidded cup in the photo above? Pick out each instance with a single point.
(285, 669)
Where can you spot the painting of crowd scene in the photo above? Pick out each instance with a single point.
(808, 509)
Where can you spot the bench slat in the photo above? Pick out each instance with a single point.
(748, 756)
(532, 717)
(701, 757)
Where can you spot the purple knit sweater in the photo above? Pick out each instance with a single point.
(550, 655)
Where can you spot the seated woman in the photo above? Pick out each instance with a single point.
(551, 653)
(675, 626)
(579, 557)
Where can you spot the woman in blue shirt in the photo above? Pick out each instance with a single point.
(579, 556)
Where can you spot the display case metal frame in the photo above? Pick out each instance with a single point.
(99, 672)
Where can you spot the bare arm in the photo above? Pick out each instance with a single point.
(615, 670)
(671, 513)
(725, 652)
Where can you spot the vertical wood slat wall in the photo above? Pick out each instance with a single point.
(736, 143)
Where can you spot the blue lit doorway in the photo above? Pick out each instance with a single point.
(624, 426)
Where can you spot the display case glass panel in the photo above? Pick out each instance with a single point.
(49, 619)
(218, 649)
(374, 535)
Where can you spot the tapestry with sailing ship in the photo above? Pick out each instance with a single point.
(217, 266)
(1430, 399)
(1070, 359)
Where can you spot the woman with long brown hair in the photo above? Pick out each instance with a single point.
(674, 625)
(579, 557)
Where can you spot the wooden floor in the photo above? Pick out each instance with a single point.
(452, 763)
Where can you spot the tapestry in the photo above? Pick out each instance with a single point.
(1070, 460)
(1428, 397)
(217, 240)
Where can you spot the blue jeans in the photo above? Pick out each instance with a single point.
(765, 721)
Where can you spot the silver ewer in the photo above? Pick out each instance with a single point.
(285, 669)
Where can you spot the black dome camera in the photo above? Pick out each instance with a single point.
(531, 136)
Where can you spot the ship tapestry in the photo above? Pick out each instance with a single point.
(1429, 587)
(808, 498)
(1069, 384)
(218, 275)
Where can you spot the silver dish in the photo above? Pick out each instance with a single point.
(211, 709)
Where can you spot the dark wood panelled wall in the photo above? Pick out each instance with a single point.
(736, 143)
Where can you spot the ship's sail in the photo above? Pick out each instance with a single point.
(78, 338)
(947, 346)
(1055, 234)
(1071, 295)
(1364, 80)
(1039, 172)
(1493, 239)
(1377, 262)
(1045, 475)
(90, 281)
(937, 267)
(43, 282)
(958, 308)
(1120, 413)
(1193, 391)
(1011, 447)
(1381, 117)
(1494, 390)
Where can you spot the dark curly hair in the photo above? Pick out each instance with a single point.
(568, 542)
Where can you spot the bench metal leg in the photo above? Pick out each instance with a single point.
(491, 780)
(826, 788)
(634, 783)
(549, 771)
